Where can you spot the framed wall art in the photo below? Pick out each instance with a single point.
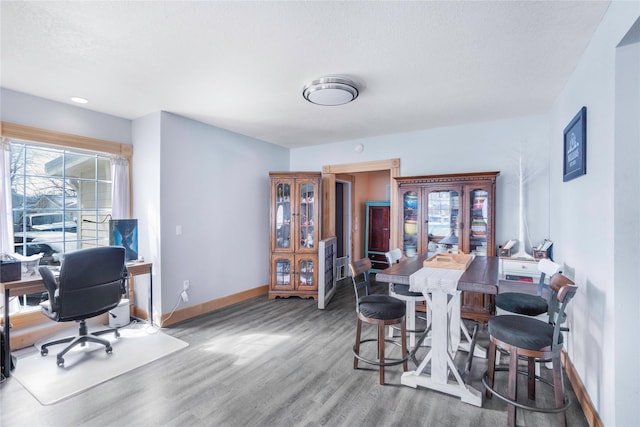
(575, 147)
(124, 232)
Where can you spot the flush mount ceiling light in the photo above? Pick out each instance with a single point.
(330, 91)
(78, 100)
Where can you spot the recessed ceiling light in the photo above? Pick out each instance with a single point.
(78, 100)
(330, 91)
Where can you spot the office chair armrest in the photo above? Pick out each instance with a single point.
(124, 280)
(51, 285)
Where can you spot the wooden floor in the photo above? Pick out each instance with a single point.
(267, 362)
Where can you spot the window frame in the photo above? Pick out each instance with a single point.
(71, 141)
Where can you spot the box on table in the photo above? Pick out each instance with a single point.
(504, 252)
(10, 270)
(451, 261)
(541, 254)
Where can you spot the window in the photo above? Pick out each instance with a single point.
(61, 199)
(74, 172)
(60, 195)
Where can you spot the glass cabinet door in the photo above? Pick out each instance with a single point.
(443, 219)
(307, 227)
(306, 273)
(283, 215)
(410, 224)
(478, 221)
(282, 271)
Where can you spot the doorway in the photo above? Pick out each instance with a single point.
(333, 174)
(343, 227)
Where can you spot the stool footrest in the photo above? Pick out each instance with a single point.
(409, 331)
(392, 362)
(520, 405)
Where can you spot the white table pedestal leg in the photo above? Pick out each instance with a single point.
(445, 339)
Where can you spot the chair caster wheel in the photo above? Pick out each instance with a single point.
(60, 362)
(44, 351)
(109, 350)
(117, 334)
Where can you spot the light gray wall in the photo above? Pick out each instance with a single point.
(29, 110)
(215, 184)
(489, 146)
(589, 214)
(627, 227)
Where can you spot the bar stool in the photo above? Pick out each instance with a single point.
(525, 303)
(538, 342)
(380, 310)
(403, 293)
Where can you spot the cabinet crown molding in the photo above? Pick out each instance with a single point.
(430, 179)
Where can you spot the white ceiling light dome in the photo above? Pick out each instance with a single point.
(78, 100)
(330, 91)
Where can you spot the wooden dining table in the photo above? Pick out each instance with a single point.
(480, 276)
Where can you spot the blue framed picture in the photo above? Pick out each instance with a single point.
(124, 232)
(575, 147)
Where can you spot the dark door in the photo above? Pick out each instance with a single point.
(339, 219)
(379, 228)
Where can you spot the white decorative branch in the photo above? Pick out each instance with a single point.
(521, 231)
(524, 176)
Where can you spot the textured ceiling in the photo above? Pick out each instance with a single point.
(242, 65)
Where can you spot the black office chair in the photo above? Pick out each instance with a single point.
(91, 282)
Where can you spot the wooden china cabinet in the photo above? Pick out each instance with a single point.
(453, 212)
(295, 233)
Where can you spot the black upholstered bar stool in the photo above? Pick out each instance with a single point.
(526, 303)
(536, 341)
(380, 310)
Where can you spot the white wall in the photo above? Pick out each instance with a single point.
(627, 225)
(489, 146)
(585, 214)
(146, 199)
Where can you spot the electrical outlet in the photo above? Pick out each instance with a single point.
(185, 285)
(184, 296)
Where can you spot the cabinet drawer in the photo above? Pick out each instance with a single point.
(379, 266)
(377, 257)
(520, 268)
